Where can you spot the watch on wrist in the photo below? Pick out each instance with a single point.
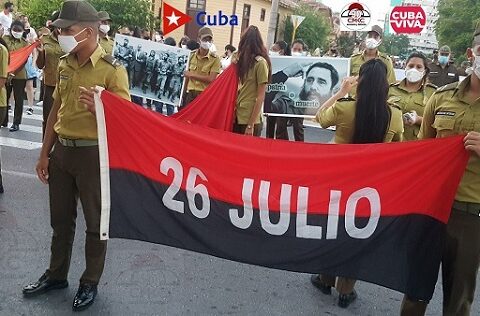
(249, 126)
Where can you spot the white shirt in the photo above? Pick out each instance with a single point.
(6, 21)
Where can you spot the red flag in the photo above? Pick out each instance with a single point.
(173, 18)
(215, 107)
(347, 210)
(19, 57)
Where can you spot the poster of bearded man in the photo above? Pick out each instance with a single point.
(300, 85)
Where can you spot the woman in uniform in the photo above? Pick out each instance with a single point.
(254, 72)
(412, 93)
(367, 119)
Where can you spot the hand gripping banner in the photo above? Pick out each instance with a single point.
(375, 212)
(19, 57)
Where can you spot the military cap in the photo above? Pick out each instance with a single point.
(104, 16)
(76, 11)
(444, 49)
(204, 32)
(54, 15)
(377, 29)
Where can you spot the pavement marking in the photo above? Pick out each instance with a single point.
(30, 128)
(20, 174)
(36, 117)
(19, 143)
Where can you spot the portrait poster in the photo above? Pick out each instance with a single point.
(300, 85)
(155, 70)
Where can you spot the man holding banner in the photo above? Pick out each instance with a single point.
(72, 169)
(453, 110)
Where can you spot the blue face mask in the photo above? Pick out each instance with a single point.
(443, 60)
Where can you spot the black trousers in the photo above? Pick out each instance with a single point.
(271, 125)
(297, 123)
(240, 129)
(18, 88)
(47, 105)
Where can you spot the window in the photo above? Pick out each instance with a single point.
(196, 5)
(263, 12)
(246, 16)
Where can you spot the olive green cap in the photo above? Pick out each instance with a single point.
(76, 11)
(377, 29)
(204, 32)
(104, 16)
(444, 49)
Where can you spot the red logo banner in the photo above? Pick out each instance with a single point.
(173, 18)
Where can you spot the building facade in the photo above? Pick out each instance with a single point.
(249, 12)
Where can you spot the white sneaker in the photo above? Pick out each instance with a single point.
(29, 111)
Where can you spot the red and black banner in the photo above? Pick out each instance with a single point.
(374, 212)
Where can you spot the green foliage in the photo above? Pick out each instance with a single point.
(456, 23)
(345, 45)
(395, 45)
(122, 12)
(314, 29)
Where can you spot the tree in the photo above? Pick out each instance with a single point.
(456, 23)
(123, 12)
(314, 29)
(395, 45)
(345, 45)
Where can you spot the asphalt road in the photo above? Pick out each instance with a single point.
(147, 279)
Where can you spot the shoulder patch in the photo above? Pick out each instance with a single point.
(355, 55)
(448, 87)
(347, 99)
(112, 60)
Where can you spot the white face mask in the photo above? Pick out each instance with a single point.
(297, 54)
(476, 66)
(272, 53)
(413, 75)
(205, 45)
(17, 35)
(68, 42)
(372, 43)
(104, 28)
(184, 46)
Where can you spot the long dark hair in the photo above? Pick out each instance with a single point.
(372, 113)
(285, 47)
(251, 45)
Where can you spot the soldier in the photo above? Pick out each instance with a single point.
(105, 41)
(139, 60)
(442, 72)
(373, 40)
(17, 85)
(149, 68)
(124, 53)
(454, 109)
(72, 169)
(176, 81)
(162, 69)
(49, 53)
(412, 93)
(204, 66)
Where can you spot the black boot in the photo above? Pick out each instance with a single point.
(85, 297)
(317, 282)
(346, 299)
(43, 285)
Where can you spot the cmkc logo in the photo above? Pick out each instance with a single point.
(174, 18)
(355, 17)
(408, 19)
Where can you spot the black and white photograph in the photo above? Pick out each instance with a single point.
(300, 85)
(155, 70)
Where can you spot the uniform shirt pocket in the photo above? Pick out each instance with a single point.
(444, 126)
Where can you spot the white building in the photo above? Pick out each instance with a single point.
(426, 41)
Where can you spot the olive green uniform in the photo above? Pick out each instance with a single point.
(441, 76)
(247, 96)
(448, 113)
(18, 82)
(342, 115)
(408, 101)
(74, 169)
(107, 44)
(201, 65)
(53, 52)
(357, 60)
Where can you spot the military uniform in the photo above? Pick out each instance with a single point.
(408, 101)
(342, 115)
(201, 65)
(448, 113)
(3, 94)
(149, 69)
(176, 82)
(247, 97)
(163, 67)
(74, 164)
(440, 76)
(17, 83)
(52, 52)
(107, 44)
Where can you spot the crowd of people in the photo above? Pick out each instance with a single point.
(76, 53)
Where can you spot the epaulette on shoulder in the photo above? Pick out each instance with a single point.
(395, 106)
(448, 87)
(258, 58)
(64, 56)
(112, 61)
(395, 84)
(347, 99)
(431, 85)
(213, 54)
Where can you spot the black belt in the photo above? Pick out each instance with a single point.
(467, 207)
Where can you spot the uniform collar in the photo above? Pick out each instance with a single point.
(460, 88)
(209, 55)
(364, 53)
(403, 85)
(97, 54)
